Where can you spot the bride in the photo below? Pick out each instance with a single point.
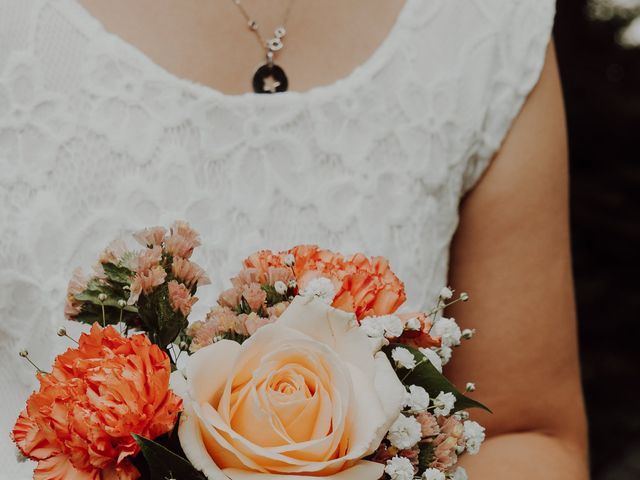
(428, 131)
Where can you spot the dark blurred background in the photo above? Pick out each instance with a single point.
(602, 92)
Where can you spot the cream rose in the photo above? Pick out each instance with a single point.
(305, 396)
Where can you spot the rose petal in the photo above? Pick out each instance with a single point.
(190, 435)
(391, 393)
(268, 339)
(362, 470)
(302, 397)
(330, 326)
(279, 340)
(209, 368)
(370, 419)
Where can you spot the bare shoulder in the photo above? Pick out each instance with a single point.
(512, 253)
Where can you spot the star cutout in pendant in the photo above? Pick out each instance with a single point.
(270, 84)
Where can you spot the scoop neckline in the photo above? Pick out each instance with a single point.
(354, 79)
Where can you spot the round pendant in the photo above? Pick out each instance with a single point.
(270, 79)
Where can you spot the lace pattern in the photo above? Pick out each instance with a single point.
(96, 140)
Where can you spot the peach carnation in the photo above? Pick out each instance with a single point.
(219, 321)
(189, 272)
(447, 442)
(428, 424)
(182, 240)
(77, 284)
(279, 274)
(146, 281)
(114, 252)
(180, 298)
(277, 310)
(255, 296)
(253, 322)
(150, 236)
(79, 423)
(148, 258)
(230, 298)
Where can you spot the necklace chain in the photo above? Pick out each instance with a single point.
(271, 44)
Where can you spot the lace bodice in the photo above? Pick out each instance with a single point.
(96, 140)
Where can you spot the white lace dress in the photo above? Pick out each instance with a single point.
(97, 140)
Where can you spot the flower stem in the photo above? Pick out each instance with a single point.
(409, 372)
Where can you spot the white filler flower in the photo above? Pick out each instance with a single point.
(473, 436)
(399, 468)
(444, 403)
(373, 327)
(468, 333)
(414, 324)
(417, 399)
(280, 287)
(403, 358)
(460, 474)
(448, 329)
(388, 326)
(433, 474)
(392, 326)
(445, 354)
(446, 293)
(321, 288)
(433, 357)
(405, 432)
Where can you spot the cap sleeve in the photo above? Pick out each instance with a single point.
(524, 34)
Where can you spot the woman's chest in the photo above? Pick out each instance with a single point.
(112, 143)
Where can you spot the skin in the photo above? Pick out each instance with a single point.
(511, 251)
(193, 38)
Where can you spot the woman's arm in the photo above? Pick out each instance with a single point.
(512, 254)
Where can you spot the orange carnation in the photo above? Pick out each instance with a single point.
(365, 286)
(312, 258)
(263, 260)
(79, 423)
(369, 288)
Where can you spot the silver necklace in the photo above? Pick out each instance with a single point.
(268, 78)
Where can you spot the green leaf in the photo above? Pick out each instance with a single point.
(273, 297)
(117, 274)
(170, 322)
(235, 337)
(425, 456)
(91, 296)
(244, 306)
(163, 463)
(426, 376)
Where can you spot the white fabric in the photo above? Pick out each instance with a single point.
(97, 140)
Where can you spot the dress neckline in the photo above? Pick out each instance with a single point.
(357, 78)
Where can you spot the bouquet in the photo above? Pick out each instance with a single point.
(304, 368)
